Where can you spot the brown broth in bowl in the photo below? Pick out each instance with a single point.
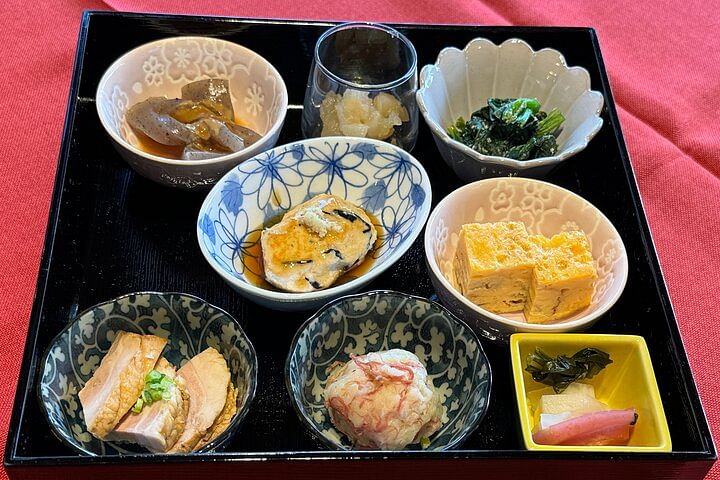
(148, 145)
(173, 152)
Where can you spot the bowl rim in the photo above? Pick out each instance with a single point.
(648, 371)
(516, 325)
(377, 267)
(384, 292)
(441, 134)
(218, 442)
(252, 150)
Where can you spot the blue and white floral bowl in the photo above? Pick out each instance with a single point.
(382, 320)
(382, 179)
(188, 323)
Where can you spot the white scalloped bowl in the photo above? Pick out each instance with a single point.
(162, 68)
(545, 209)
(461, 81)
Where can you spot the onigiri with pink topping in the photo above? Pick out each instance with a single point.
(383, 400)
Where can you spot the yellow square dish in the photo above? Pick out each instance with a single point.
(627, 382)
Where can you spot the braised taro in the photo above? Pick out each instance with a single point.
(199, 125)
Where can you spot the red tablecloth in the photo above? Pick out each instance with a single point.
(662, 57)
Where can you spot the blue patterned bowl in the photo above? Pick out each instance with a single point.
(381, 320)
(190, 325)
(382, 179)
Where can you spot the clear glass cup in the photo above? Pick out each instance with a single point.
(362, 83)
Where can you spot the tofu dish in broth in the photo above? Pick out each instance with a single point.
(315, 243)
(137, 396)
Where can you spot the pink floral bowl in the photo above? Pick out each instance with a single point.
(162, 68)
(545, 209)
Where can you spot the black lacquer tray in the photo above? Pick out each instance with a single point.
(112, 232)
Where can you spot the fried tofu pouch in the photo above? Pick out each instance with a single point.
(315, 243)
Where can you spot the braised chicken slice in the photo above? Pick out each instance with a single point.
(118, 381)
(207, 379)
(158, 426)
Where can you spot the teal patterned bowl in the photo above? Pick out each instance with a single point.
(189, 323)
(381, 320)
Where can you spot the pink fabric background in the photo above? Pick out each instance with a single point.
(662, 57)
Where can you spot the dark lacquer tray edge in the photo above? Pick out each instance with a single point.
(22, 391)
(11, 459)
(649, 243)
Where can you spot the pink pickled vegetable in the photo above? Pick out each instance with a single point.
(610, 427)
(617, 435)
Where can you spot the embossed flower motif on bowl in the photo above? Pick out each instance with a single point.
(535, 197)
(218, 59)
(611, 253)
(119, 103)
(154, 71)
(255, 99)
(501, 198)
(382, 179)
(161, 69)
(184, 59)
(545, 209)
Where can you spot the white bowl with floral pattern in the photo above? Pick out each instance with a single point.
(162, 68)
(545, 209)
(461, 81)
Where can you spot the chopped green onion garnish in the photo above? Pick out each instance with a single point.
(157, 387)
